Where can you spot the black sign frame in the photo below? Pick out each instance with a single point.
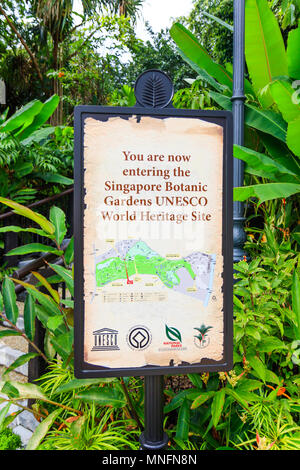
(83, 369)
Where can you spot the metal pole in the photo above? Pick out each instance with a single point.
(153, 437)
(238, 98)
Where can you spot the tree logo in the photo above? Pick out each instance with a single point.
(201, 340)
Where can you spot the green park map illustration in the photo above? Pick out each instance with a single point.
(129, 259)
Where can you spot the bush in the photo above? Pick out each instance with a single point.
(9, 440)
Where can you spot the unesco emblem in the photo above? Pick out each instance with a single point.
(105, 339)
(139, 338)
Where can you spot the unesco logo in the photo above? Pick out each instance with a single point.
(105, 339)
(139, 338)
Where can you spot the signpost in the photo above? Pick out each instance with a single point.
(153, 242)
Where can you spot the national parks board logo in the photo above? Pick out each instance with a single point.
(174, 339)
(139, 337)
(201, 340)
(105, 339)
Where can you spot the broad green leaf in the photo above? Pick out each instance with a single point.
(23, 168)
(48, 286)
(264, 47)
(261, 165)
(5, 333)
(29, 316)
(241, 397)
(238, 303)
(23, 117)
(39, 135)
(190, 46)
(56, 178)
(74, 384)
(48, 346)
(20, 361)
(34, 248)
(55, 322)
(248, 385)
(280, 152)
(217, 406)
(196, 380)
(296, 303)
(68, 302)
(41, 118)
(252, 331)
(103, 396)
(202, 398)
(43, 314)
(203, 75)
(271, 377)
(261, 119)
(66, 275)
(266, 121)
(69, 252)
(8, 389)
(258, 366)
(282, 93)
(266, 192)
(42, 429)
(270, 344)
(58, 219)
(10, 300)
(63, 343)
(77, 427)
(176, 401)
(293, 56)
(13, 228)
(182, 428)
(29, 214)
(26, 390)
(292, 137)
(3, 412)
(45, 300)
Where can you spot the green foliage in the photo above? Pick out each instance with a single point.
(194, 97)
(272, 105)
(216, 38)
(156, 53)
(218, 410)
(29, 157)
(9, 440)
(123, 97)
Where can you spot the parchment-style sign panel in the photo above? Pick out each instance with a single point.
(153, 251)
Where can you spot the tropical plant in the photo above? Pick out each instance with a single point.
(272, 108)
(8, 439)
(260, 394)
(202, 23)
(60, 398)
(49, 39)
(27, 159)
(194, 97)
(54, 312)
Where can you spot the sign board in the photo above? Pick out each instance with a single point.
(153, 241)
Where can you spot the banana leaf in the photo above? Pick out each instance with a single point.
(293, 56)
(191, 47)
(264, 47)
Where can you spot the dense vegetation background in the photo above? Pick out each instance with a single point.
(48, 55)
